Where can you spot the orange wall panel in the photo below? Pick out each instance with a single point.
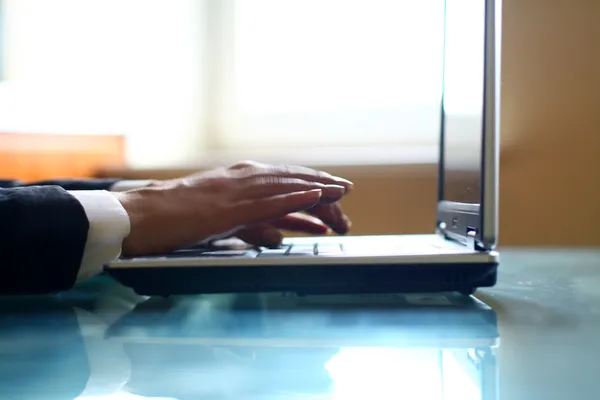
(31, 157)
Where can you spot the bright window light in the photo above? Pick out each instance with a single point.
(335, 72)
(183, 78)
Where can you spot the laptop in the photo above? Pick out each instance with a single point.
(457, 256)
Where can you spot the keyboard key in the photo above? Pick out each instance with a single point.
(273, 252)
(201, 253)
(301, 254)
(182, 254)
(329, 249)
(225, 253)
(302, 250)
(303, 247)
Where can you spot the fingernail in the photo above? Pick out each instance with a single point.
(316, 192)
(313, 195)
(335, 191)
(348, 222)
(346, 183)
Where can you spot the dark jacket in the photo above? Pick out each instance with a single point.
(43, 231)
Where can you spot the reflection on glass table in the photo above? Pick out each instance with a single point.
(115, 346)
(278, 346)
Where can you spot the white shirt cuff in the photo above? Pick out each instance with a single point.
(109, 225)
(122, 186)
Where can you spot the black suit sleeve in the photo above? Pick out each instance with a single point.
(43, 231)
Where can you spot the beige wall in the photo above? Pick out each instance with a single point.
(550, 175)
(550, 161)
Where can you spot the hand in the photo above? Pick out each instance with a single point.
(249, 200)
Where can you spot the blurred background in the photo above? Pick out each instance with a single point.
(159, 88)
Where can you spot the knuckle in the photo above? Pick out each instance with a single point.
(291, 183)
(245, 164)
(246, 171)
(280, 170)
(286, 169)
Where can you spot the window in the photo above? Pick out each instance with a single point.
(182, 77)
(334, 72)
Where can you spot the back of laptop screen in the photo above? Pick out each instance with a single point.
(463, 99)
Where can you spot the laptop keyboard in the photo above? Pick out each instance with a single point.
(308, 249)
(315, 249)
(289, 250)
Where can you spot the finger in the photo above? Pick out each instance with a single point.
(297, 222)
(261, 235)
(333, 216)
(253, 169)
(310, 174)
(255, 211)
(267, 186)
(269, 234)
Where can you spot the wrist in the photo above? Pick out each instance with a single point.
(130, 184)
(140, 207)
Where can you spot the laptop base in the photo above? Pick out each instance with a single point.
(309, 279)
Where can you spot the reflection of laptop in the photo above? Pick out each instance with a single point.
(439, 347)
(458, 257)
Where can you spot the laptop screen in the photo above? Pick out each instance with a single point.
(463, 94)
